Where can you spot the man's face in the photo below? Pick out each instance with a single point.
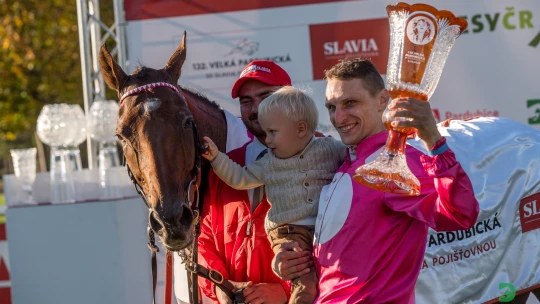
(354, 112)
(251, 94)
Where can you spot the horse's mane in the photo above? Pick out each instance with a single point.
(198, 95)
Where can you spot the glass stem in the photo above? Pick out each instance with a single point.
(74, 158)
(396, 142)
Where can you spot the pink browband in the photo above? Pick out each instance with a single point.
(145, 87)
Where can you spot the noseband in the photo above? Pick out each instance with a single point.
(189, 257)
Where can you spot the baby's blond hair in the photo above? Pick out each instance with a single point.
(294, 103)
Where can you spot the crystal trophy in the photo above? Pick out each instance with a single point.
(53, 130)
(102, 119)
(421, 38)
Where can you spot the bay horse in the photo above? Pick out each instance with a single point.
(159, 124)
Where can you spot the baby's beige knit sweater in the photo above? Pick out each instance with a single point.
(292, 185)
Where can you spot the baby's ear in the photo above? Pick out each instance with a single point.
(301, 128)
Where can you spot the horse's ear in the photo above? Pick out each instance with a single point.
(174, 66)
(111, 71)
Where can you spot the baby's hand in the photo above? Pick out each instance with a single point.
(212, 152)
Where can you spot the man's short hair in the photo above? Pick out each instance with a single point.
(348, 69)
(295, 105)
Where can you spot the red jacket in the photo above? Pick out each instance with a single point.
(232, 240)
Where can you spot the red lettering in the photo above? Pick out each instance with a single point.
(468, 114)
(529, 213)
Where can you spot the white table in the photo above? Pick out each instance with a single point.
(82, 253)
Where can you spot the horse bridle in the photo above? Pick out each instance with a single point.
(189, 256)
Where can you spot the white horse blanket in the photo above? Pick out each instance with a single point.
(501, 253)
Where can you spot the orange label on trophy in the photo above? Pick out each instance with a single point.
(420, 34)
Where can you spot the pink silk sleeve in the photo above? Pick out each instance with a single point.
(446, 201)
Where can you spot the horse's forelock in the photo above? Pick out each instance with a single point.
(142, 72)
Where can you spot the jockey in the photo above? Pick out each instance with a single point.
(369, 245)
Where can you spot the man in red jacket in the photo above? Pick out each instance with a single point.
(233, 240)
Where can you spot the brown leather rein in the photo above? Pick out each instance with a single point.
(189, 256)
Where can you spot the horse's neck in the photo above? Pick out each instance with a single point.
(210, 120)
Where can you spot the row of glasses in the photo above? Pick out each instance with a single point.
(64, 127)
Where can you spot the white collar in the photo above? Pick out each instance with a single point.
(237, 135)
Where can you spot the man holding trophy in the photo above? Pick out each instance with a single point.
(373, 218)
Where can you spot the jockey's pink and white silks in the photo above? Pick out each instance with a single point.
(369, 245)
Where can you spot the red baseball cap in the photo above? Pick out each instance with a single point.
(265, 71)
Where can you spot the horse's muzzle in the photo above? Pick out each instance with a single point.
(175, 232)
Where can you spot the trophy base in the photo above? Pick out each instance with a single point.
(388, 173)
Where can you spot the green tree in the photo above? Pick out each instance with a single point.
(39, 64)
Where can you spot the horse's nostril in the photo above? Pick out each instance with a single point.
(184, 218)
(155, 223)
(178, 220)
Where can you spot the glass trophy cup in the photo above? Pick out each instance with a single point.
(53, 130)
(102, 119)
(421, 38)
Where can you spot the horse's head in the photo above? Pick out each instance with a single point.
(160, 143)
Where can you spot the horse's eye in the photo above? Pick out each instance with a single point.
(120, 137)
(188, 123)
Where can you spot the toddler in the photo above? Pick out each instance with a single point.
(293, 174)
